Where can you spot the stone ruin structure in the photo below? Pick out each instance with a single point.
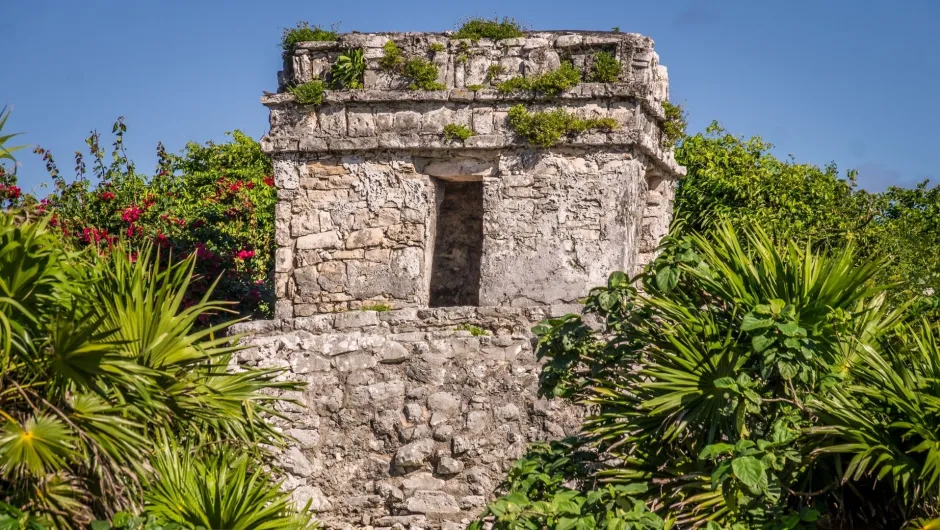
(410, 268)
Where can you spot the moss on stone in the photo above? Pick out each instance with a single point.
(454, 132)
(545, 129)
(549, 84)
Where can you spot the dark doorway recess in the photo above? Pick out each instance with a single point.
(458, 245)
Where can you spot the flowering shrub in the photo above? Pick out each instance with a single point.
(214, 200)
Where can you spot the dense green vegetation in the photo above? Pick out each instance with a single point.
(754, 385)
(741, 180)
(214, 202)
(109, 380)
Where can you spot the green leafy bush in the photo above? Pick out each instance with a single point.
(495, 29)
(751, 385)
(304, 32)
(309, 93)
(548, 84)
(106, 358)
(212, 201)
(437, 47)
(606, 68)
(547, 128)
(454, 132)
(742, 180)
(349, 70)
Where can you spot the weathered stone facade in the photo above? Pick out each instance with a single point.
(406, 418)
(363, 176)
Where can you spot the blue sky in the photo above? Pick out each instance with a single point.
(853, 82)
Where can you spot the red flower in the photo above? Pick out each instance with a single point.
(131, 214)
(107, 196)
(162, 240)
(245, 254)
(250, 185)
(269, 181)
(11, 192)
(130, 231)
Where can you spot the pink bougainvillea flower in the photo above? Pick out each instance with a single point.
(269, 181)
(107, 196)
(131, 214)
(245, 254)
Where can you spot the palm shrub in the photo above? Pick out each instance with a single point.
(748, 385)
(101, 358)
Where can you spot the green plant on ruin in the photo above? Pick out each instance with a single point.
(437, 47)
(615, 29)
(606, 68)
(379, 307)
(475, 331)
(547, 128)
(304, 32)
(474, 88)
(309, 93)
(392, 57)
(420, 73)
(483, 28)
(548, 84)
(494, 71)
(674, 126)
(349, 70)
(454, 132)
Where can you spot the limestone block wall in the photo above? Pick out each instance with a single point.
(405, 418)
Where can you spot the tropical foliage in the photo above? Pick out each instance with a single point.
(741, 180)
(214, 202)
(110, 392)
(751, 385)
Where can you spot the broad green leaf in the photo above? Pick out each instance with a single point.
(750, 472)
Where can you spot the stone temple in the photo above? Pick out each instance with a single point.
(413, 413)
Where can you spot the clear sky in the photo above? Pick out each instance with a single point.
(850, 81)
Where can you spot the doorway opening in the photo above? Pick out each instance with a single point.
(458, 245)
